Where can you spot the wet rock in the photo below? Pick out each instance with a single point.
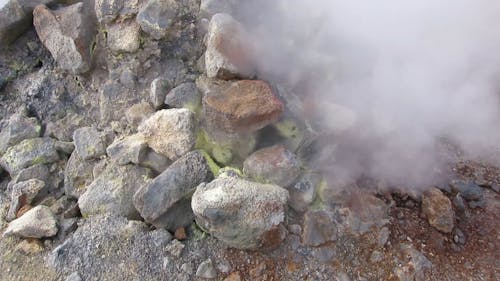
(206, 270)
(319, 228)
(437, 208)
(243, 107)
(36, 223)
(68, 34)
(23, 193)
(157, 16)
(157, 202)
(77, 175)
(27, 153)
(468, 190)
(228, 52)
(303, 192)
(242, 214)
(138, 113)
(123, 37)
(274, 164)
(170, 132)
(129, 149)
(158, 90)
(113, 190)
(89, 143)
(186, 95)
(18, 129)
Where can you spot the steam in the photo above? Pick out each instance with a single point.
(412, 72)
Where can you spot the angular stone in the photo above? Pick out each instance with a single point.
(18, 129)
(157, 16)
(242, 214)
(274, 164)
(114, 100)
(108, 10)
(68, 34)
(158, 91)
(167, 191)
(228, 52)
(303, 193)
(27, 153)
(129, 149)
(206, 270)
(77, 175)
(170, 132)
(22, 194)
(438, 210)
(89, 143)
(186, 95)
(243, 107)
(319, 228)
(155, 161)
(36, 223)
(468, 190)
(138, 112)
(112, 191)
(124, 37)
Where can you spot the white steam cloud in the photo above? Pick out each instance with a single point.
(412, 72)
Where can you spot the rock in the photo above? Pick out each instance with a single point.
(234, 276)
(157, 16)
(39, 171)
(68, 34)
(155, 161)
(170, 132)
(242, 214)
(274, 164)
(175, 248)
(89, 143)
(77, 175)
(208, 8)
(36, 223)
(129, 149)
(109, 10)
(303, 192)
(437, 208)
(138, 113)
(124, 37)
(206, 270)
(158, 90)
(27, 153)
(115, 99)
(23, 193)
(113, 190)
(363, 212)
(74, 277)
(18, 129)
(229, 51)
(187, 268)
(160, 237)
(64, 128)
(416, 266)
(243, 107)
(319, 228)
(186, 95)
(157, 202)
(65, 147)
(468, 190)
(180, 233)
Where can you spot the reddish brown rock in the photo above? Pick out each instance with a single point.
(243, 107)
(180, 233)
(438, 210)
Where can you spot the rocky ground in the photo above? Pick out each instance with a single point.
(138, 142)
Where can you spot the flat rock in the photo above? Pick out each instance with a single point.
(170, 132)
(167, 192)
(77, 175)
(36, 223)
(27, 153)
(89, 143)
(129, 149)
(22, 194)
(243, 107)
(112, 191)
(438, 210)
(157, 16)
(68, 34)
(228, 52)
(274, 164)
(18, 129)
(241, 213)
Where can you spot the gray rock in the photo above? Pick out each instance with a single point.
(113, 190)
(160, 237)
(108, 10)
(77, 175)
(415, 268)
(274, 164)
(27, 153)
(438, 210)
(68, 34)
(89, 143)
(242, 214)
(303, 192)
(206, 270)
(228, 53)
(38, 171)
(63, 128)
(157, 16)
(74, 277)
(129, 149)
(155, 161)
(468, 190)
(18, 129)
(170, 132)
(164, 195)
(123, 37)
(175, 248)
(186, 95)
(319, 228)
(36, 223)
(114, 100)
(208, 8)
(138, 112)
(187, 268)
(65, 147)
(23, 193)
(158, 91)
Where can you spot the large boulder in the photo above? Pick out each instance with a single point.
(68, 34)
(112, 191)
(241, 213)
(229, 51)
(29, 152)
(170, 132)
(166, 194)
(36, 223)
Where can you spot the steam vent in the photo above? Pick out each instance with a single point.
(233, 140)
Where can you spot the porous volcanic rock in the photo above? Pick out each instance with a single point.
(438, 210)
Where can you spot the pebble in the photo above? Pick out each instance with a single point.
(206, 270)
